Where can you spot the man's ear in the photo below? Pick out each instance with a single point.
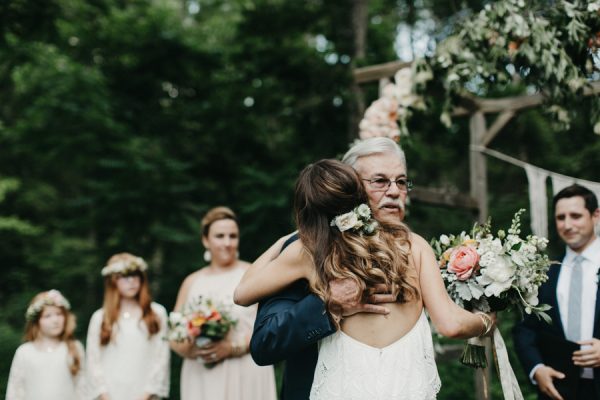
(596, 216)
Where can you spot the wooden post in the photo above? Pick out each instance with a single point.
(478, 164)
(478, 174)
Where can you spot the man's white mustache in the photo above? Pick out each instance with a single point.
(398, 203)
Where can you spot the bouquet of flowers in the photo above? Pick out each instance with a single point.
(492, 273)
(200, 321)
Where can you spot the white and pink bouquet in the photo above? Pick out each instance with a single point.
(491, 273)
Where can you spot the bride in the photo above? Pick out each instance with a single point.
(371, 356)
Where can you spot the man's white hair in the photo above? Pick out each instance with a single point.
(376, 145)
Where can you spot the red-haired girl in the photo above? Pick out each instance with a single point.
(127, 356)
(49, 364)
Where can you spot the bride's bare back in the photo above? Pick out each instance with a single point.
(274, 271)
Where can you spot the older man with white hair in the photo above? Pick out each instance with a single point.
(381, 164)
(289, 324)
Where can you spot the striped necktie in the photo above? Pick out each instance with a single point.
(575, 297)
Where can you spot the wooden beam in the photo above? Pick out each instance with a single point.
(443, 197)
(516, 103)
(376, 72)
(498, 124)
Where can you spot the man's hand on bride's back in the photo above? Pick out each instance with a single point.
(346, 299)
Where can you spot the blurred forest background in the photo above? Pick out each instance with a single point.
(122, 122)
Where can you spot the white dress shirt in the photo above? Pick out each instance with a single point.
(590, 265)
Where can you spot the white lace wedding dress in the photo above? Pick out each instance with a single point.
(404, 370)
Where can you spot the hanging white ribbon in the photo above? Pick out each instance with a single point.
(508, 380)
(538, 200)
(559, 181)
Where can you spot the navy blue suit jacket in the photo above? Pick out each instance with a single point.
(527, 332)
(287, 327)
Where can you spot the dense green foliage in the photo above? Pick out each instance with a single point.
(122, 122)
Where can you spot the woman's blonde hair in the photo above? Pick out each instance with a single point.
(112, 301)
(329, 188)
(216, 214)
(32, 331)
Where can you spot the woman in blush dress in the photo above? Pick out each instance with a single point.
(128, 357)
(49, 364)
(222, 369)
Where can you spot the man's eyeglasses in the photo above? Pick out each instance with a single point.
(404, 185)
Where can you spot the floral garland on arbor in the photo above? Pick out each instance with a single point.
(507, 43)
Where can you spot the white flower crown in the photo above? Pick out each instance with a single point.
(51, 298)
(359, 219)
(125, 266)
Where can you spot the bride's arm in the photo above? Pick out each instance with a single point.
(448, 318)
(271, 272)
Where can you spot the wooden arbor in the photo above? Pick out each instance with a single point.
(480, 136)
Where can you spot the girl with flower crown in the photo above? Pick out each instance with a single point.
(128, 358)
(49, 365)
(339, 239)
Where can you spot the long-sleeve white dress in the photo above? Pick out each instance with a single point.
(39, 374)
(131, 363)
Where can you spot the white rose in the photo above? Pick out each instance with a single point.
(364, 211)
(487, 259)
(497, 277)
(346, 221)
(502, 270)
(542, 243)
(175, 317)
(496, 245)
(445, 240)
(532, 298)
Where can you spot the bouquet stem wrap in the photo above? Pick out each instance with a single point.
(474, 356)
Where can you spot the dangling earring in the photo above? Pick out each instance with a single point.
(207, 256)
(237, 254)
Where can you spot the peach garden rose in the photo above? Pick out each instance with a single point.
(463, 262)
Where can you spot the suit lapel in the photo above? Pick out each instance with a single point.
(597, 311)
(553, 300)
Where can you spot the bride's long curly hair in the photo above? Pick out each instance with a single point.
(329, 188)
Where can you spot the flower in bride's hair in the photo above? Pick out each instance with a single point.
(346, 221)
(363, 211)
(359, 219)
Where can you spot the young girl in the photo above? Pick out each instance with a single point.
(49, 364)
(128, 358)
(340, 239)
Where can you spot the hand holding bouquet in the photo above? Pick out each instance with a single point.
(491, 273)
(200, 321)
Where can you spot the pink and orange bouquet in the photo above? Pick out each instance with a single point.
(491, 273)
(200, 321)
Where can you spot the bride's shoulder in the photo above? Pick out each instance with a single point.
(417, 242)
